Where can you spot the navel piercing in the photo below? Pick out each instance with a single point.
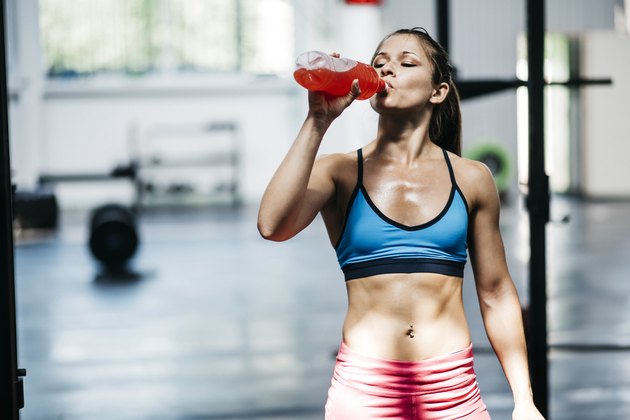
(410, 331)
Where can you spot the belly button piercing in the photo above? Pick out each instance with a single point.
(410, 331)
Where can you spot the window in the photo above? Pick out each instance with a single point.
(141, 37)
(560, 141)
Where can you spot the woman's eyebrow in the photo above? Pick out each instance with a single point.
(384, 54)
(410, 53)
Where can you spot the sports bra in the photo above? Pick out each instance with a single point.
(371, 243)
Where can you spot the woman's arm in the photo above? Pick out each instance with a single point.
(498, 299)
(301, 186)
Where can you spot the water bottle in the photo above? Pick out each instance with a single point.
(319, 71)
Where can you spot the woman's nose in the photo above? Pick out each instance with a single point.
(386, 69)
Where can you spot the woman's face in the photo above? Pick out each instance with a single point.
(402, 62)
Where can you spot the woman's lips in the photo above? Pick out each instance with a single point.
(384, 92)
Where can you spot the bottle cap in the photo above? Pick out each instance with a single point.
(381, 85)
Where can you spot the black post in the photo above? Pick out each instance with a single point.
(443, 27)
(537, 202)
(9, 386)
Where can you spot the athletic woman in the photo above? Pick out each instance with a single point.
(402, 213)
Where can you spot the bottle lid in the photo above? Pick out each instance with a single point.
(381, 85)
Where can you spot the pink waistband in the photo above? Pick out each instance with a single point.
(448, 373)
(433, 361)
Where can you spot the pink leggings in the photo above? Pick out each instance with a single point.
(443, 387)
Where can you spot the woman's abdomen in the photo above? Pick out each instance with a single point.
(406, 317)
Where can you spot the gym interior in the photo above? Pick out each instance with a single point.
(142, 135)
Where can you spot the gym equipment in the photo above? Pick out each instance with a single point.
(35, 210)
(113, 238)
(113, 229)
(113, 235)
(496, 158)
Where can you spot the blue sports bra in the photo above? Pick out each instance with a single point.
(371, 243)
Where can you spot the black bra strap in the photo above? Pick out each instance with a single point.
(450, 167)
(360, 166)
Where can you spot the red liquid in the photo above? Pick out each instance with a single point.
(339, 83)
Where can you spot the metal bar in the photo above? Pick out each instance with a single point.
(572, 348)
(590, 348)
(443, 27)
(469, 89)
(129, 171)
(537, 202)
(577, 82)
(9, 383)
(473, 88)
(55, 179)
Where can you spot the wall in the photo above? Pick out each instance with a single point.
(25, 107)
(99, 135)
(604, 123)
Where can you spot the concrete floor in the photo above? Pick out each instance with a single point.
(217, 323)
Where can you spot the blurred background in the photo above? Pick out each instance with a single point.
(143, 134)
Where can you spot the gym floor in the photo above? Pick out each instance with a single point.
(213, 322)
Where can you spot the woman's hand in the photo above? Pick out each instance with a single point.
(526, 410)
(325, 108)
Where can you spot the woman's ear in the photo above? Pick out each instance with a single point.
(439, 93)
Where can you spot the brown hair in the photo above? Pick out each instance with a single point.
(445, 128)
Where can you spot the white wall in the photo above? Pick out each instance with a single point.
(605, 112)
(26, 106)
(89, 130)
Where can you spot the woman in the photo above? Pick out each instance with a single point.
(401, 213)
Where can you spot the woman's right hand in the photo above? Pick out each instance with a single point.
(325, 108)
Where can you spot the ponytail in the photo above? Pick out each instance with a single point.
(445, 128)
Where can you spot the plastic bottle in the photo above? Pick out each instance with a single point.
(319, 71)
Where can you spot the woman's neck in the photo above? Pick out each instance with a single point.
(403, 139)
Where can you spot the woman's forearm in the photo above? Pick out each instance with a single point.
(503, 321)
(281, 203)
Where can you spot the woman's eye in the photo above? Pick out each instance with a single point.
(378, 65)
(408, 64)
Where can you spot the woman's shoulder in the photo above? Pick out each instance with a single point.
(471, 169)
(337, 164)
(473, 177)
(337, 158)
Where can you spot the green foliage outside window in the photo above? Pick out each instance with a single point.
(140, 37)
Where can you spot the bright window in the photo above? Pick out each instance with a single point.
(140, 37)
(558, 134)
